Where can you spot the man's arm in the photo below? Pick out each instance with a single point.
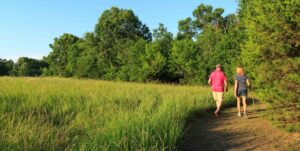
(225, 82)
(209, 79)
(226, 85)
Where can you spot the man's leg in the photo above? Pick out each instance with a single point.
(215, 96)
(217, 106)
(219, 101)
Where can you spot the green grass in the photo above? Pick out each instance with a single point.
(71, 114)
(286, 118)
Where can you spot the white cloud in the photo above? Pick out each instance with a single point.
(16, 57)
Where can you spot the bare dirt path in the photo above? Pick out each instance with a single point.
(229, 132)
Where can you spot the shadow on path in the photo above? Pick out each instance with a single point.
(229, 132)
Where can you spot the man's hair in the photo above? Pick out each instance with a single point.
(218, 65)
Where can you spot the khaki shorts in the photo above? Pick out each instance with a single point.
(218, 96)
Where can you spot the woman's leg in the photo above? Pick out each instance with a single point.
(238, 101)
(244, 104)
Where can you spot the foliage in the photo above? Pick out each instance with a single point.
(121, 48)
(6, 67)
(185, 57)
(185, 29)
(29, 67)
(62, 51)
(116, 24)
(272, 57)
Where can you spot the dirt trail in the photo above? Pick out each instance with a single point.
(229, 132)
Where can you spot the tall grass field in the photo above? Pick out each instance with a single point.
(72, 114)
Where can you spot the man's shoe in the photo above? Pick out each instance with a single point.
(239, 114)
(216, 114)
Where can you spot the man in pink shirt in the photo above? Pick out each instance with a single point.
(217, 81)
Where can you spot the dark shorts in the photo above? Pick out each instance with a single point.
(242, 92)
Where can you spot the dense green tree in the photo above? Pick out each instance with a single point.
(271, 54)
(230, 21)
(163, 40)
(185, 29)
(29, 67)
(206, 15)
(63, 51)
(115, 31)
(132, 68)
(185, 61)
(154, 63)
(6, 67)
(117, 24)
(89, 63)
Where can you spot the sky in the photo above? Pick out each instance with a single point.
(27, 27)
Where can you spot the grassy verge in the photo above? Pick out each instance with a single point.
(286, 117)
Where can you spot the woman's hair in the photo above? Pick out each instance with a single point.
(240, 70)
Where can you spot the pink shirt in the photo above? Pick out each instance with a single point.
(217, 78)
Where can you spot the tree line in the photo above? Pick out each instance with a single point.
(23, 67)
(264, 37)
(122, 48)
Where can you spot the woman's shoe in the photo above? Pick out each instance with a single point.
(245, 115)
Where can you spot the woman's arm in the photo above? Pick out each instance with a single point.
(235, 87)
(248, 83)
